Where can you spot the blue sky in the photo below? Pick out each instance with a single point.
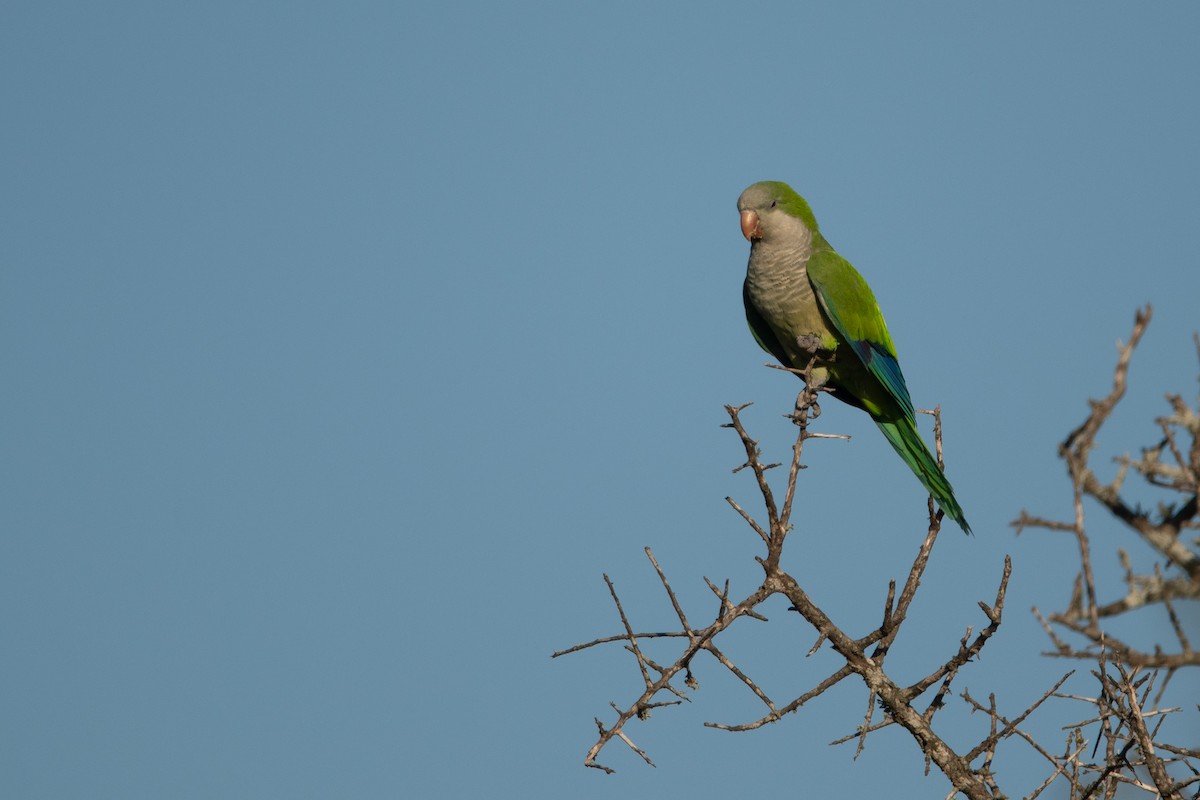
(347, 345)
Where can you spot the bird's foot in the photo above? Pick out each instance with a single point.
(807, 408)
(809, 342)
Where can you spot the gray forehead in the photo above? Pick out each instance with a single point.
(755, 196)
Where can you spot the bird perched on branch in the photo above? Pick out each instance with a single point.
(805, 302)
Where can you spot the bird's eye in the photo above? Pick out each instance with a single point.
(774, 203)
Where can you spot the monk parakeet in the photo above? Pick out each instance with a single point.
(801, 296)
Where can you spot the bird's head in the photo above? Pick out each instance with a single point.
(771, 210)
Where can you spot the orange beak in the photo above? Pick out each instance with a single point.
(750, 227)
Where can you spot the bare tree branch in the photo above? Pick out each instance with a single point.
(1174, 464)
(1120, 743)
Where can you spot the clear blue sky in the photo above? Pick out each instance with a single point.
(346, 345)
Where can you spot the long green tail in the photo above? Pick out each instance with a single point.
(908, 443)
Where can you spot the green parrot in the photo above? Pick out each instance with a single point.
(801, 296)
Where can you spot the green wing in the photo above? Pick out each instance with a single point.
(850, 305)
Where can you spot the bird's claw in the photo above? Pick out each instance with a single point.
(809, 342)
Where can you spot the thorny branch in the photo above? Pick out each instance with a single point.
(1173, 463)
(1133, 750)
(864, 655)
(1119, 743)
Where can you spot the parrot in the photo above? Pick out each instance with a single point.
(803, 299)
